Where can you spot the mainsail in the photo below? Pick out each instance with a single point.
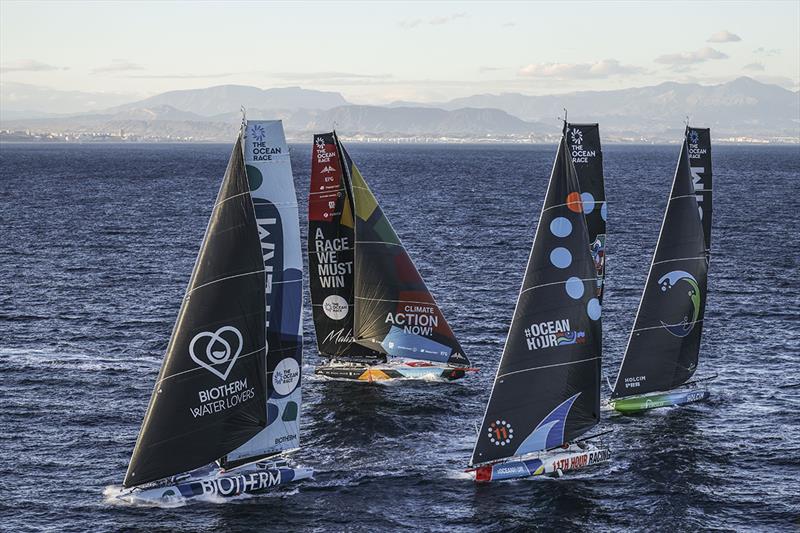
(269, 172)
(587, 156)
(210, 396)
(393, 312)
(664, 345)
(699, 141)
(547, 388)
(331, 245)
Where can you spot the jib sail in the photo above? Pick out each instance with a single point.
(547, 388)
(587, 156)
(395, 313)
(210, 396)
(664, 345)
(269, 172)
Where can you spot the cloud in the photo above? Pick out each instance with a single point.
(435, 21)
(602, 69)
(761, 51)
(690, 58)
(28, 65)
(489, 69)
(329, 76)
(724, 36)
(180, 76)
(509, 24)
(117, 65)
(754, 66)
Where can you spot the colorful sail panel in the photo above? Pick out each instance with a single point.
(395, 313)
(210, 396)
(587, 156)
(547, 388)
(330, 254)
(269, 172)
(699, 141)
(664, 346)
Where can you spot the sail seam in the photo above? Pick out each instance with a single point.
(230, 198)
(396, 301)
(190, 291)
(379, 242)
(546, 366)
(683, 196)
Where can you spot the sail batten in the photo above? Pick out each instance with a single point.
(547, 387)
(663, 348)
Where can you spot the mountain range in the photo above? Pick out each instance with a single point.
(742, 108)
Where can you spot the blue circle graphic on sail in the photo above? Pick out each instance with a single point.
(667, 282)
(560, 257)
(588, 202)
(561, 227)
(574, 287)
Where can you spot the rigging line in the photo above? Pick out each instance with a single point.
(380, 242)
(547, 366)
(230, 198)
(396, 301)
(329, 251)
(222, 279)
(693, 195)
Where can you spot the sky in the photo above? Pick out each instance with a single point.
(379, 52)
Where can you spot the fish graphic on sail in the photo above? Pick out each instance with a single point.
(233, 358)
(372, 310)
(547, 389)
(587, 156)
(664, 346)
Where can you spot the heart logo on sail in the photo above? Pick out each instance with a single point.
(218, 350)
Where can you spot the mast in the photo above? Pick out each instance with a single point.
(210, 395)
(331, 248)
(664, 344)
(587, 156)
(271, 183)
(395, 313)
(547, 388)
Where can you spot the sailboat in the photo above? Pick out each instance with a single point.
(664, 345)
(587, 156)
(546, 392)
(374, 317)
(226, 404)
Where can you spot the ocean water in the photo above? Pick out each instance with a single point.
(97, 243)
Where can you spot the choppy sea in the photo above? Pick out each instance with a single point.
(96, 246)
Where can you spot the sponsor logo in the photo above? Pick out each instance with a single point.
(257, 132)
(415, 319)
(552, 334)
(286, 376)
(500, 433)
(231, 486)
(694, 137)
(335, 307)
(582, 460)
(219, 349)
(339, 337)
(327, 169)
(576, 135)
(634, 381)
(332, 273)
(669, 281)
(579, 154)
(218, 399)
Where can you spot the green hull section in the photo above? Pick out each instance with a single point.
(637, 404)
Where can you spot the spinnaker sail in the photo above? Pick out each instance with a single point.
(269, 172)
(210, 396)
(664, 345)
(547, 388)
(393, 312)
(587, 156)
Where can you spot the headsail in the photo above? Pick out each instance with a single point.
(547, 388)
(664, 346)
(395, 312)
(587, 156)
(210, 396)
(269, 172)
(331, 244)
(699, 140)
